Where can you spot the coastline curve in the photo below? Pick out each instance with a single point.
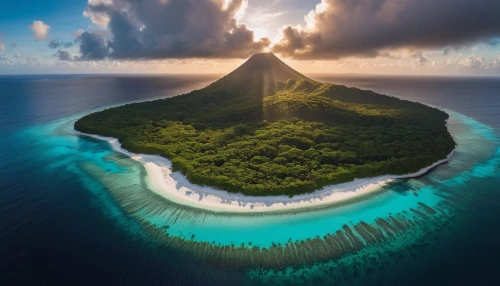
(175, 187)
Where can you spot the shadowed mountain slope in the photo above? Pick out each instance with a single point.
(265, 129)
(258, 76)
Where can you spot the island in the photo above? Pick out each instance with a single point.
(267, 130)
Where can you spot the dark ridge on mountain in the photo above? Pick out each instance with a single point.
(260, 75)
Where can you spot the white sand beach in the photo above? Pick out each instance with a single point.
(175, 187)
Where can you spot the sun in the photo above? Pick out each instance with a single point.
(261, 32)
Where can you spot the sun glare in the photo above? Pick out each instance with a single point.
(260, 33)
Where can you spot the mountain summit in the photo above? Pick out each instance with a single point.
(259, 75)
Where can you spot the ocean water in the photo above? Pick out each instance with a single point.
(74, 211)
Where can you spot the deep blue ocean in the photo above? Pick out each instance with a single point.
(63, 221)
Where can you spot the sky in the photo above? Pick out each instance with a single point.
(401, 37)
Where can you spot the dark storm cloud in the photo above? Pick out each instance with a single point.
(92, 46)
(168, 29)
(54, 44)
(342, 28)
(64, 55)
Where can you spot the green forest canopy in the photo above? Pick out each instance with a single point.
(257, 133)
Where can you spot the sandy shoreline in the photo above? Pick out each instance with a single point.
(175, 187)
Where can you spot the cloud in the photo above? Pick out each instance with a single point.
(418, 59)
(92, 46)
(2, 44)
(496, 63)
(31, 59)
(78, 33)
(368, 28)
(272, 15)
(473, 61)
(155, 29)
(54, 44)
(64, 55)
(40, 30)
(5, 59)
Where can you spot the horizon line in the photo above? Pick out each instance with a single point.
(222, 73)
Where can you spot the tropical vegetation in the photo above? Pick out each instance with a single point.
(267, 130)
